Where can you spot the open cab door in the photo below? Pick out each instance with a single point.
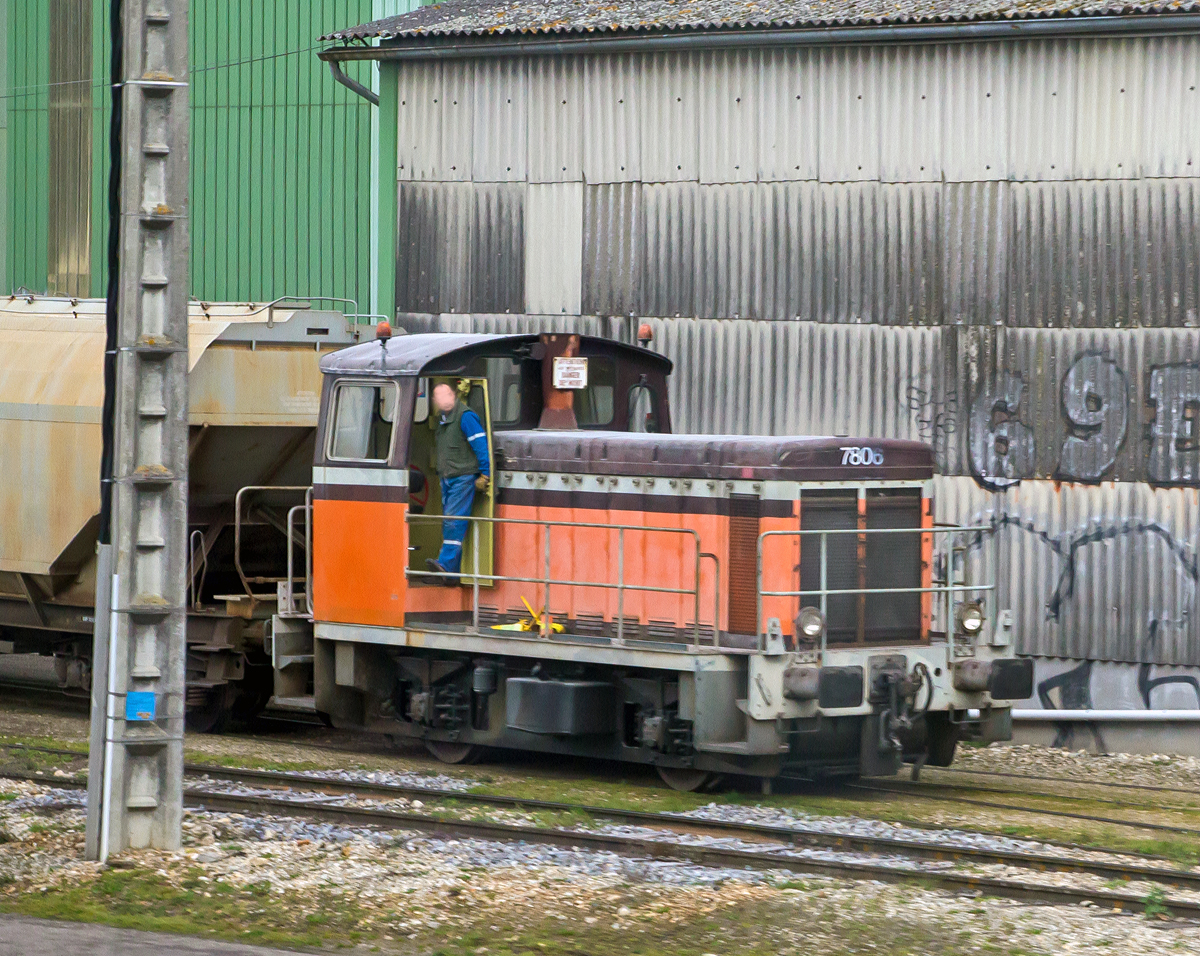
(425, 493)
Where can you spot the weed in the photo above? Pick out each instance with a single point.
(1155, 903)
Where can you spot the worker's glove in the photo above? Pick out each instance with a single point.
(482, 483)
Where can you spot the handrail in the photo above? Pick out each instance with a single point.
(308, 550)
(949, 589)
(547, 581)
(237, 538)
(194, 587)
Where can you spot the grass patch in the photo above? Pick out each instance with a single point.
(138, 899)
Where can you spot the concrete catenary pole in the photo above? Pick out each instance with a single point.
(135, 796)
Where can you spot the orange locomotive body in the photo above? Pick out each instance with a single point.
(707, 604)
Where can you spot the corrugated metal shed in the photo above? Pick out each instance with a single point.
(745, 192)
(992, 247)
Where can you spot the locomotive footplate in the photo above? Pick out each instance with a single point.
(849, 710)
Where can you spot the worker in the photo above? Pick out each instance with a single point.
(464, 467)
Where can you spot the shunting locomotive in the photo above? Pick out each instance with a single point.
(706, 604)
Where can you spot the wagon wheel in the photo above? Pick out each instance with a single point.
(253, 692)
(209, 709)
(448, 752)
(686, 779)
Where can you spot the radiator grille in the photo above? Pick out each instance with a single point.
(744, 513)
(869, 561)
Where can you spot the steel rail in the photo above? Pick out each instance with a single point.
(664, 849)
(841, 841)
(833, 841)
(923, 785)
(1133, 824)
(1155, 788)
(634, 846)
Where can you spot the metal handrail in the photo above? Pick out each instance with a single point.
(193, 586)
(620, 586)
(237, 538)
(948, 589)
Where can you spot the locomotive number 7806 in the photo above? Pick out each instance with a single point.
(853, 455)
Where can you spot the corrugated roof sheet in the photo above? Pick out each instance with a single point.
(490, 17)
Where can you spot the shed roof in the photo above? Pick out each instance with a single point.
(509, 17)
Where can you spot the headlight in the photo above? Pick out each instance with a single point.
(970, 617)
(810, 622)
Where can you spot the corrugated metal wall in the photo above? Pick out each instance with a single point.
(994, 248)
(27, 160)
(281, 155)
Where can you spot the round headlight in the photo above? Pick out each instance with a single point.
(811, 622)
(970, 617)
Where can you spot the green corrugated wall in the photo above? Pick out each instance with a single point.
(281, 154)
(27, 112)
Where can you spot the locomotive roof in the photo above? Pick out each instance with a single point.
(411, 354)
(725, 457)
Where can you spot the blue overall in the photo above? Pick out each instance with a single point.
(458, 495)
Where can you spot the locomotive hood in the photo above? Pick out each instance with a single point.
(724, 457)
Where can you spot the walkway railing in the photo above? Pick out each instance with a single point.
(547, 581)
(946, 590)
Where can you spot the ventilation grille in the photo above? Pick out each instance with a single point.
(744, 514)
(869, 561)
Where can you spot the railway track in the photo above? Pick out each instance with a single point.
(898, 789)
(776, 846)
(891, 788)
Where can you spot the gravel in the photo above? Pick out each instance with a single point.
(1162, 770)
(410, 884)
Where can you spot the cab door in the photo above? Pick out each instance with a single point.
(425, 494)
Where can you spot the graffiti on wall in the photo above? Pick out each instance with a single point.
(1095, 409)
(1068, 547)
(1079, 685)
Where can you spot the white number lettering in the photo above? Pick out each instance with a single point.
(852, 455)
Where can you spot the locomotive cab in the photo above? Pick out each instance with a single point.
(706, 604)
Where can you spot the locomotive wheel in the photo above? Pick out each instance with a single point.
(685, 779)
(448, 752)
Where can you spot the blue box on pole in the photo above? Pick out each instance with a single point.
(139, 705)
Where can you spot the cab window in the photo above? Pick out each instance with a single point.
(363, 417)
(594, 404)
(642, 415)
(504, 389)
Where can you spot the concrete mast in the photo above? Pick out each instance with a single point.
(135, 793)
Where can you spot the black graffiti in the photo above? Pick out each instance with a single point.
(1068, 546)
(1074, 688)
(1075, 693)
(936, 421)
(1146, 683)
